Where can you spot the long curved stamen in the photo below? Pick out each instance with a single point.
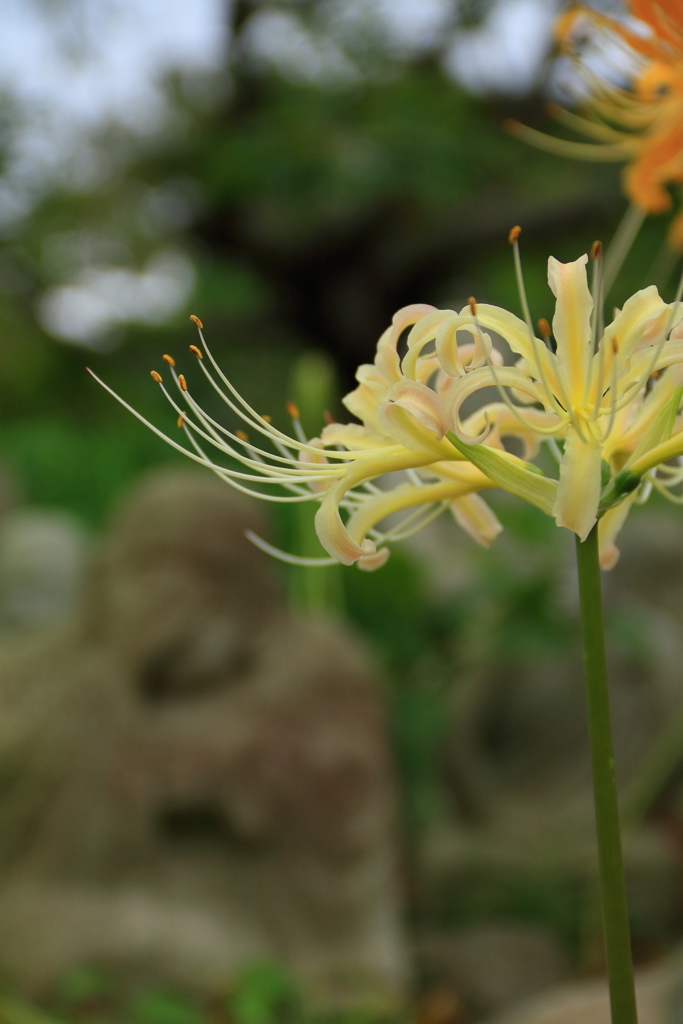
(601, 153)
(676, 499)
(225, 475)
(513, 238)
(293, 411)
(555, 450)
(597, 408)
(496, 380)
(277, 472)
(613, 412)
(284, 556)
(202, 458)
(418, 520)
(229, 476)
(254, 420)
(207, 420)
(597, 295)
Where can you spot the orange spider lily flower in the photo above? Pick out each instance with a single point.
(641, 125)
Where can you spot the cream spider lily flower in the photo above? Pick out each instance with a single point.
(592, 391)
(402, 431)
(592, 386)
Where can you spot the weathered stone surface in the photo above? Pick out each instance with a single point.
(192, 778)
(493, 965)
(43, 559)
(587, 1002)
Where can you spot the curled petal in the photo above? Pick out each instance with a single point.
(422, 403)
(644, 315)
(509, 326)
(373, 559)
(377, 507)
(424, 331)
(578, 492)
(475, 517)
(387, 360)
(450, 354)
(332, 533)
(506, 424)
(608, 529)
(506, 376)
(405, 429)
(363, 400)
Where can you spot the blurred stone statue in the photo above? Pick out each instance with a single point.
(43, 558)
(191, 777)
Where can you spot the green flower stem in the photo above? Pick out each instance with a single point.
(614, 907)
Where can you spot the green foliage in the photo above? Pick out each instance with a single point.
(162, 1006)
(265, 993)
(83, 985)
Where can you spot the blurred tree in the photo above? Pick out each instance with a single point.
(309, 192)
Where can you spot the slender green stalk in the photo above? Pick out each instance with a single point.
(614, 907)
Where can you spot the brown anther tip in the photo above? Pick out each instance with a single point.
(196, 352)
(155, 376)
(328, 417)
(472, 303)
(293, 410)
(544, 327)
(267, 418)
(196, 320)
(655, 375)
(514, 234)
(615, 346)
(596, 250)
(182, 382)
(169, 359)
(242, 436)
(181, 422)
(511, 124)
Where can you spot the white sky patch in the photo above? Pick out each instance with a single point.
(278, 40)
(408, 27)
(505, 54)
(98, 300)
(74, 65)
(94, 59)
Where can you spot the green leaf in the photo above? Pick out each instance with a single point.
(161, 1007)
(265, 994)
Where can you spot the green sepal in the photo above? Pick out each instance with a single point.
(522, 479)
(625, 482)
